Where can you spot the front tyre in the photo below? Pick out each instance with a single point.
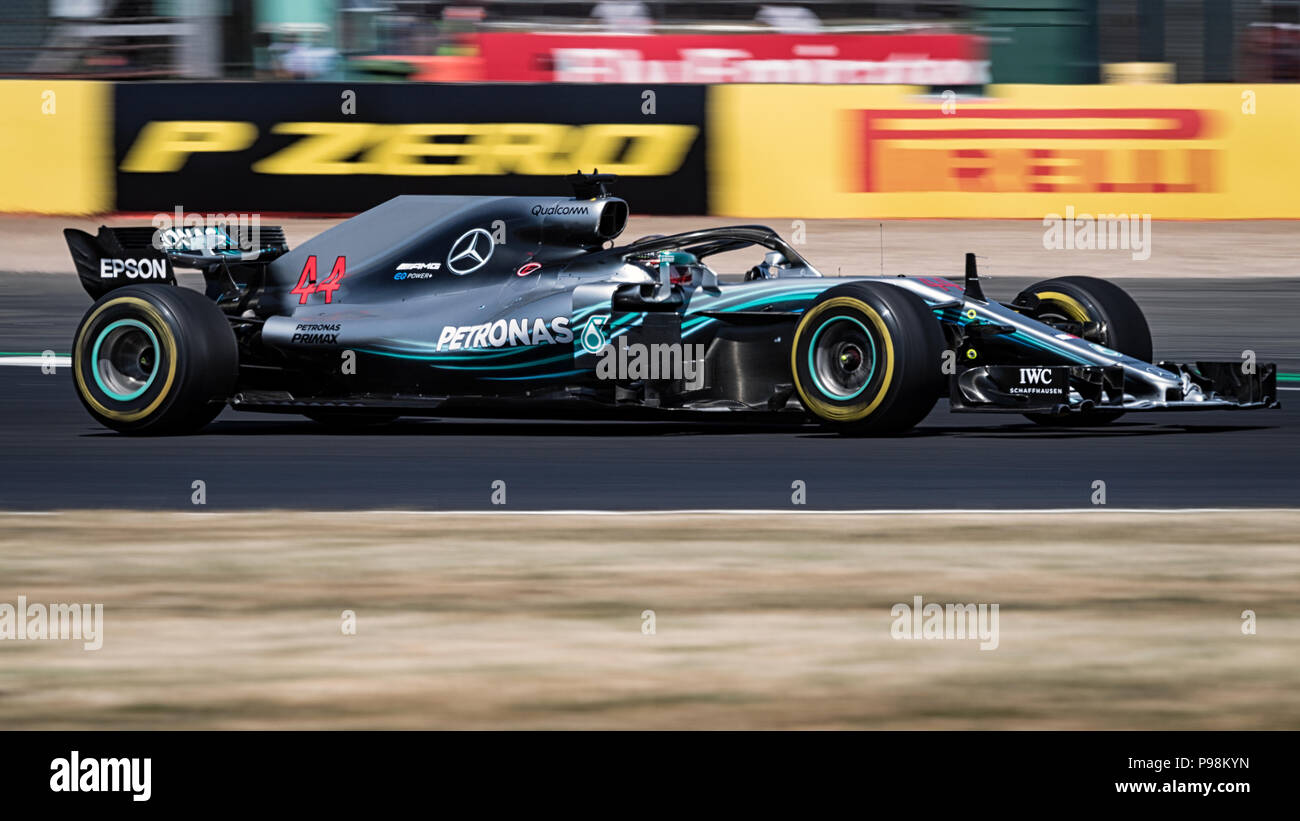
(154, 360)
(1121, 327)
(866, 358)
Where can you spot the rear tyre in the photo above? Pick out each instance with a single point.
(866, 358)
(154, 360)
(1088, 299)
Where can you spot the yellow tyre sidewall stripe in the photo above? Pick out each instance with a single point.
(160, 326)
(1073, 307)
(843, 413)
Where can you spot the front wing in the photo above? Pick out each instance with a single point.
(1064, 389)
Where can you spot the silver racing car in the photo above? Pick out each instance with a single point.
(455, 306)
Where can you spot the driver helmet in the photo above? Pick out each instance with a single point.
(683, 268)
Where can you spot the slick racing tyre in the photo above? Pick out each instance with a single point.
(1086, 299)
(154, 360)
(867, 358)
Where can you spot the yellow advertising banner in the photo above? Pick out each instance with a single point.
(1171, 151)
(56, 147)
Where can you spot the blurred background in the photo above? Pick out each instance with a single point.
(1181, 109)
(1025, 41)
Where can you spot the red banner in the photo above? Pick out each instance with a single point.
(894, 59)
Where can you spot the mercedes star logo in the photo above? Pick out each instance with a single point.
(470, 252)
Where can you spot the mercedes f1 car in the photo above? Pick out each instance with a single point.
(454, 306)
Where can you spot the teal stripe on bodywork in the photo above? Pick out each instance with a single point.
(725, 304)
(694, 323)
(534, 376)
(436, 359)
(552, 360)
(1029, 341)
(485, 353)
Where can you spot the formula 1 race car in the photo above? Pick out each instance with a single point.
(457, 306)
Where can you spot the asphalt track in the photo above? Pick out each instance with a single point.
(55, 457)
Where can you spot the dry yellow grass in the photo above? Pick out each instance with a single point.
(1108, 620)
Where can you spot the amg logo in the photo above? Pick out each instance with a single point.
(74, 774)
(133, 268)
(1035, 376)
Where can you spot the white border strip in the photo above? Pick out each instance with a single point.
(37, 361)
(1099, 509)
(820, 512)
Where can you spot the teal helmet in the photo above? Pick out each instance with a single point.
(683, 268)
(677, 258)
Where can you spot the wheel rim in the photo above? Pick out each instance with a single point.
(842, 357)
(1059, 317)
(125, 358)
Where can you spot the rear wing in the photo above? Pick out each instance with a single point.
(128, 255)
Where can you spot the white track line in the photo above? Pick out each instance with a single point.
(817, 512)
(714, 511)
(37, 361)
